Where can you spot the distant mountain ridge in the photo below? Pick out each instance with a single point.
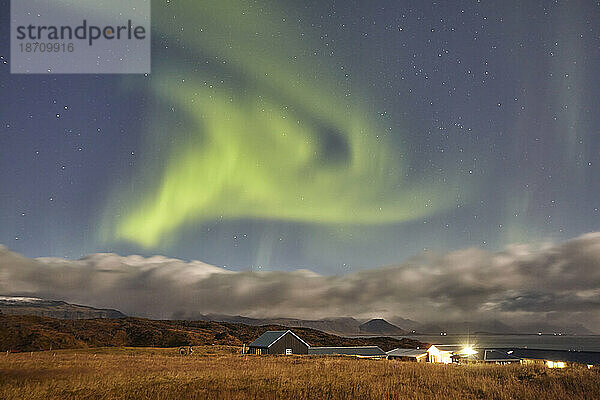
(14, 305)
(340, 326)
(398, 326)
(348, 326)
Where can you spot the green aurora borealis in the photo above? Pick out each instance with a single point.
(329, 135)
(266, 134)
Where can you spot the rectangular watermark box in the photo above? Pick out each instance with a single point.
(80, 36)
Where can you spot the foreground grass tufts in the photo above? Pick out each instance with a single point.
(220, 372)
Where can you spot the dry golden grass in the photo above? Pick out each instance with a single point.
(219, 372)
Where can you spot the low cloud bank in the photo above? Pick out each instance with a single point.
(557, 283)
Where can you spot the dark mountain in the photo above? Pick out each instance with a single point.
(380, 326)
(53, 308)
(32, 333)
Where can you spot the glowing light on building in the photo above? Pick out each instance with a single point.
(555, 364)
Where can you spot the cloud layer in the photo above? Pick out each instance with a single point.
(558, 283)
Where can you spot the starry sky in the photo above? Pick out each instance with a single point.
(330, 135)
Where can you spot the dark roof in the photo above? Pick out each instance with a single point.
(454, 348)
(499, 355)
(367, 351)
(582, 357)
(267, 338)
(270, 337)
(407, 352)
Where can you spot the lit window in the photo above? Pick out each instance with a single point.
(555, 364)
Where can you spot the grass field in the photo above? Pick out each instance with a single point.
(220, 372)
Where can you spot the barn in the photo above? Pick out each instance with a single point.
(278, 342)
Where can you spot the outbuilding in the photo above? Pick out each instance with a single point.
(278, 342)
(439, 355)
(414, 355)
(499, 356)
(356, 351)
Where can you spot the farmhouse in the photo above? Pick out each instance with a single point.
(439, 355)
(287, 342)
(278, 342)
(549, 358)
(556, 358)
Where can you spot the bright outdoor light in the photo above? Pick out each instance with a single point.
(469, 351)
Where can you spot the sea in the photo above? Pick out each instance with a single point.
(534, 341)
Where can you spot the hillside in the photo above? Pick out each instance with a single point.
(53, 308)
(32, 333)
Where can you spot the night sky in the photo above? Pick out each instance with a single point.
(329, 135)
